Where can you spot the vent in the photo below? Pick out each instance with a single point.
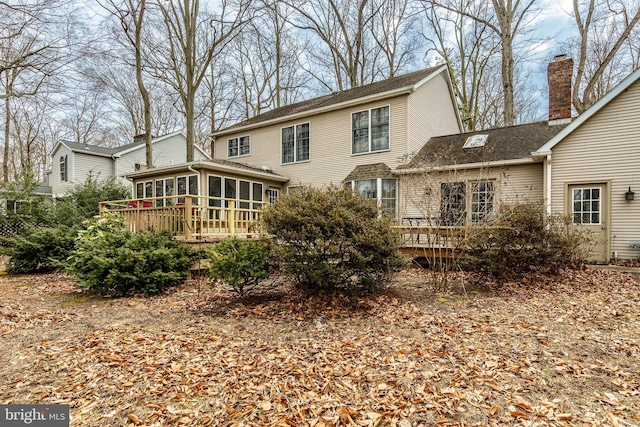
(475, 141)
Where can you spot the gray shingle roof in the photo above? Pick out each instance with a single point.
(374, 170)
(398, 82)
(94, 149)
(509, 143)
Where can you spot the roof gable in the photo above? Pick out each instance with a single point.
(389, 87)
(502, 144)
(116, 151)
(601, 103)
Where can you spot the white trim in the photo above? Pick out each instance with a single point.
(478, 165)
(611, 95)
(158, 139)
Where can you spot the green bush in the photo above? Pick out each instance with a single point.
(39, 249)
(115, 262)
(332, 239)
(523, 239)
(242, 264)
(36, 248)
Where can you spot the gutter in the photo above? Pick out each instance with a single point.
(213, 166)
(478, 165)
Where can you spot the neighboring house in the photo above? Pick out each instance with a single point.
(72, 162)
(364, 131)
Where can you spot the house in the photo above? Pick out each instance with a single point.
(591, 168)
(586, 168)
(463, 178)
(358, 134)
(74, 162)
(399, 141)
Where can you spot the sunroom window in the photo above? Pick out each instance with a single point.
(383, 190)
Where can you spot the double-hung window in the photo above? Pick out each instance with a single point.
(239, 146)
(295, 143)
(370, 130)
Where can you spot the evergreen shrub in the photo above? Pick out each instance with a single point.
(38, 249)
(332, 239)
(114, 262)
(523, 239)
(241, 264)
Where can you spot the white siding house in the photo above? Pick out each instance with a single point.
(72, 163)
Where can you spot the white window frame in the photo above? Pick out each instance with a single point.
(164, 183)
(64, 168)
(295, 144)
(238, 140)
(145, 193)
(273, 194)
(481, 217)
(196, 201)
(369, 135)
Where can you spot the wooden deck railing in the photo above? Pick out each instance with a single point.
(189, 217)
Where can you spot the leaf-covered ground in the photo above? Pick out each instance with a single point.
(562, 352)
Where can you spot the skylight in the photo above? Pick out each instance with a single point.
(475, 141)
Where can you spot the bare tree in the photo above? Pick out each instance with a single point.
(508, 20)
(608, 47)
(470, 51)
(131, 18)
(265, 60)
(30, 52)
(192, 38)
(394, 31)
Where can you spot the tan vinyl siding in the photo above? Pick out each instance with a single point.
(605, 148)
(420, 192)
(330, 158)
(430, 113)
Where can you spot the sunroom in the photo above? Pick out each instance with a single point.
(205, 199)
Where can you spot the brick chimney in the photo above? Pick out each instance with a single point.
(140, 137)
(559, 75)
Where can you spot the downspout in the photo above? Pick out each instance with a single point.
(198, 175)
(548, 189)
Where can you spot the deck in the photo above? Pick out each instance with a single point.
(194, 219)
(189, 218)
